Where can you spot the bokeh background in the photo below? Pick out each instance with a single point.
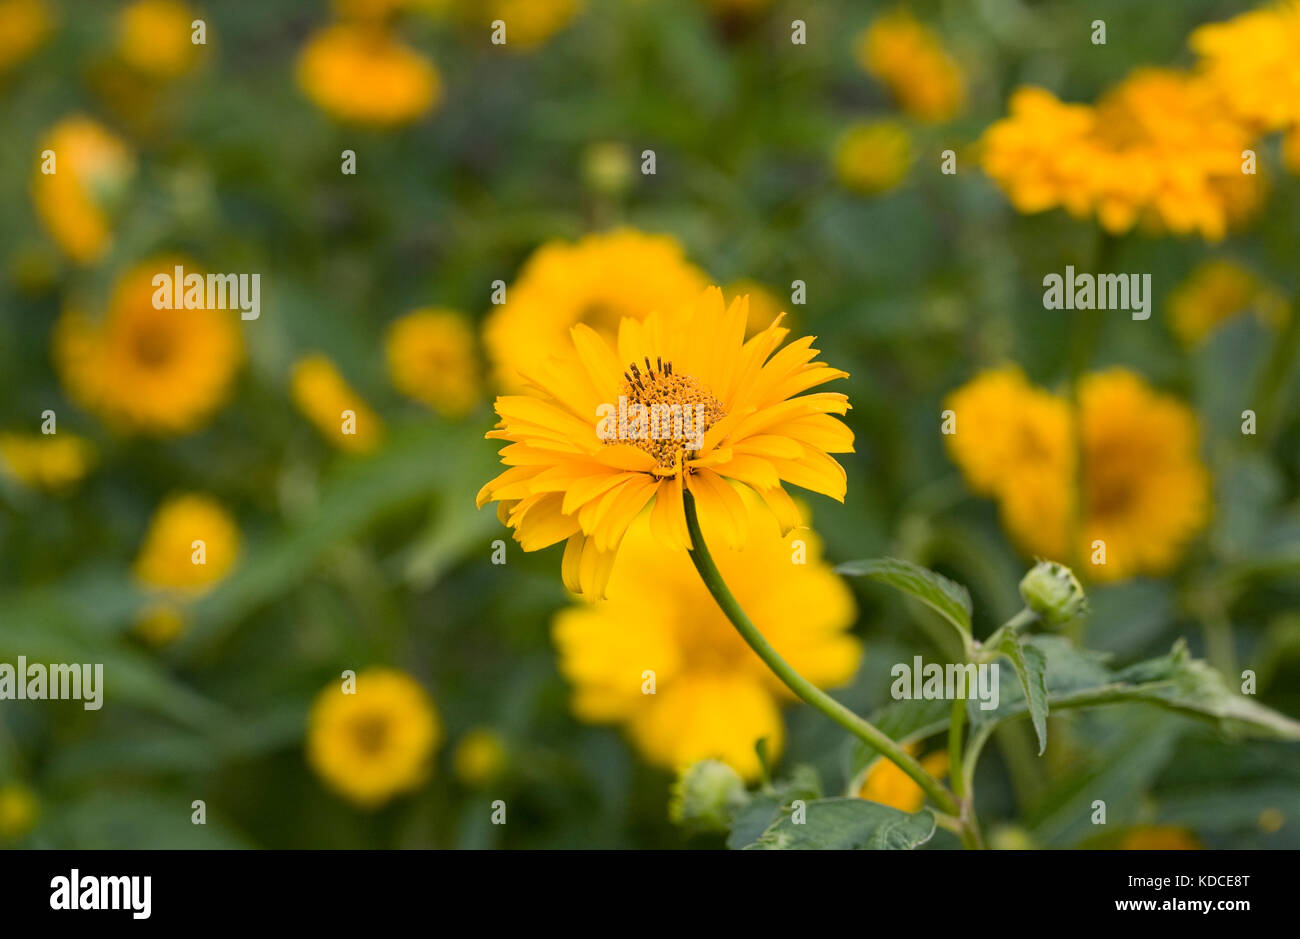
(775, 162)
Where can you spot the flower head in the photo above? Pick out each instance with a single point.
(323, 395)
(713, 697)
(362, 74)
(1217, 291)
(597, 280)
(375, 742)
(54, 462)
(19, 810)
(1253, 61)
(431, 357)
(154, 38)
(169, 558)
(24, 24)
(682, 404)
(140, 368)
(91, 170)
(873, 157)
(910, 59)
(480, 757)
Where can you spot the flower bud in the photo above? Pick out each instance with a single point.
(1053, 592)
(705, 796)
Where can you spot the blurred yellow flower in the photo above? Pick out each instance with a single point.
(18, 811)
(1253, 60)
(92, 168)
(326, 399)
(1217, 291)
(911, 61)
(431, 358)
(365, 75)
(597, 281)
(1145, 491)
(583, 465)
(191, 544)
(479, 758)
(529, 23)
(160, 623)
(376, 742)
(145, 369)
(712, 696)
(24, 25)
(155, 38)
(1157, 149)
(54, 462)
(1159, 838)
(888, 785)
(873, 157)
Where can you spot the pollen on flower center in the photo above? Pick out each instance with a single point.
(678, 411)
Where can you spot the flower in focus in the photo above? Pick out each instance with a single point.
(579, 472)
(91, 170)
(431, 358)
(1159, 838)
(873, 157)
(597, 281)
(479, 758)
(155, 38)
(714, 698)
(54, 462)
(328, 401)
(24, 25)
(1253, 60)
(365, 75)
(886, 784)
(375, 742)
(18, 811)
(1157, 149)
(143, 369)
(909, 59)
(1217, 291)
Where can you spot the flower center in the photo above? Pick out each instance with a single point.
(675, 413)
(370, 733)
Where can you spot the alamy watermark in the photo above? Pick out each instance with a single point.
(193, 291)
(37, 682)
(953, 682)
(1128, 292)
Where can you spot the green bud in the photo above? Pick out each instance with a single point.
(705, 797)
(1053, 592)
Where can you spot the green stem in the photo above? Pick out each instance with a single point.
(804, 689)
(954, 747)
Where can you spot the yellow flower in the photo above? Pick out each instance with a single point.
(888, 785)
(479, 758)
(155, 37)
(365, 75)
(54, 462)
(431, 358)
(909, 58)
(145, 369)
(24, 25)
(713, 697)
(1216, 291)
(1157, 149)
(376, 742)
(329, 402)
(169, 558)
(18, 811)
(529, 23)
(160, 623)
(1253, 60)
(581, 473)
(91, 170)
(873, 157)
(598, 281)
(1159, 838)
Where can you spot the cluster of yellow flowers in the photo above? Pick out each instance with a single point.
(1112, 485)
(1165, 149)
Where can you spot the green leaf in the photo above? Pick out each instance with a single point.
(1031, 667)
(848, 824)
(903, 722)
(949, 600)
(764, 808)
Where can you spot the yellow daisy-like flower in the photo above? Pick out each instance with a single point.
(144, 369)
(431, 358)
(888, 785)
(712, 696)
(155, 37)
(598, 440)
(1217, 291)
(92, 168)
(479, 758)
(191, 544)
(1157, 149)
(376, 742)
(19, 810)
(328, 401)
(1159, 838)
(873, 157)
(1253, 60)
(54, 462)
(365, 75)
(909, 58)
(24, 25)
(597, 281)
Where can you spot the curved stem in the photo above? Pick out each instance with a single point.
(804, 689)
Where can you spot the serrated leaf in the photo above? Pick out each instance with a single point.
(950, 600)
(847, 824)
(1031, 668)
